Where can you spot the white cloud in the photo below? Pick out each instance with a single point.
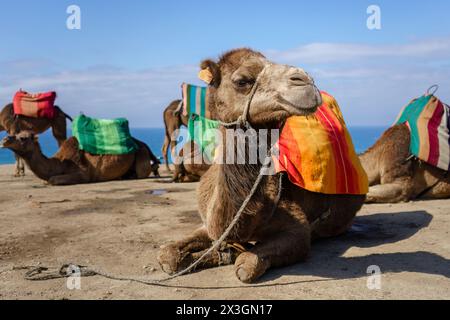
(316, 53)
(109, 92)
(371, 82)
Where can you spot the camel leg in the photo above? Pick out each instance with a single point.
(281, 249)
(173, 256)
(20, 167)
(440, 191)
(179, 255)
(59, 129)
(69, 179)
(397, 191)
(164, 152)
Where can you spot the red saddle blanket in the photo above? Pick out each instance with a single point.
(40, 105)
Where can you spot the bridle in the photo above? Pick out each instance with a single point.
(242, 121)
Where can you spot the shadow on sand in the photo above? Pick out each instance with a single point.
(327, 259)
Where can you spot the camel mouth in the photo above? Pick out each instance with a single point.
(298, 109)
(4, 142)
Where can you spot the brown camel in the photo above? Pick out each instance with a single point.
(173, 120)
(395, 177)
(71, 166)
(280, 233)
(185, 170)
(14, 124)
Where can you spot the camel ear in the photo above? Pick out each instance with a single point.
(210, 73)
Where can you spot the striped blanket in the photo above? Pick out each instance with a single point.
(40, 105)
(103, 137)
(195, 100)
(428, 119)
(200, 126)
(317, 152)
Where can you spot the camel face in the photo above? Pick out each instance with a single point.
(22, 142)
(282, 91)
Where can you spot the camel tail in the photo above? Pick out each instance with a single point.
(65, 114)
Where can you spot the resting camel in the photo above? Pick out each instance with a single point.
(173, 120)
(395, 177)
(14, 124)
(71, 166)
(280, 234)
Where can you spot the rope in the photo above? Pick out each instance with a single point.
(42, 273)
(217, 243)
(32, 275)
(435, 87)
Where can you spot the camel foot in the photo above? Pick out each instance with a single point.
(169, 258)
(249, 267)
(173, 260)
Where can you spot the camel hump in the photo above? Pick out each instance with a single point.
(70, 150)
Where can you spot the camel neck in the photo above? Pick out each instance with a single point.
(235, 180)
(42, 167)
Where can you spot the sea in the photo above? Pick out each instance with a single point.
(363, 138)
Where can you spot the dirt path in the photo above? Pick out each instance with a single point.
(119, 227)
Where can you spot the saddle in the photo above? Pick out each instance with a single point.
(39, 105)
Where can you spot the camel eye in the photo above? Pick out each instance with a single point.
(244, 82)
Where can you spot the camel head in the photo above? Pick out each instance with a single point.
(21, 143)
(281, 91)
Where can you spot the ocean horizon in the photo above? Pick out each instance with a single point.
(363, 138)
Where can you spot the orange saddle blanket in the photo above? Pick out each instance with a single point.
(317, 152)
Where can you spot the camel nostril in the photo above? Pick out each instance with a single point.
(299, 80)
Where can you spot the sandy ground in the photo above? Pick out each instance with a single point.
(119, 226)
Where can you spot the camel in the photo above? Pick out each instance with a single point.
(71, 166)
(173, 120)
(185, 170)
(396, 177)
(13, 124)
(278, 225)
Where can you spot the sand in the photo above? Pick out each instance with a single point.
(119, 226)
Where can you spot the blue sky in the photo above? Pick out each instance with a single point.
(130, 57)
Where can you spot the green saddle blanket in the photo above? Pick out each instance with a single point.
(103, 137)
(203, 132)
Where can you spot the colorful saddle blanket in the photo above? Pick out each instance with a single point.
(195, 100)
(428, 119)
(200, 126)
(103, 137)
(40, 105)
(317, 152)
